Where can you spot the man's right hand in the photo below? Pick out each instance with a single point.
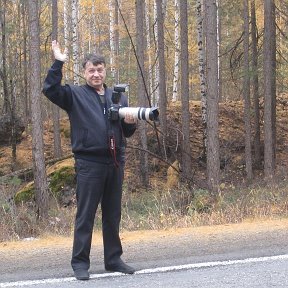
(57, 52)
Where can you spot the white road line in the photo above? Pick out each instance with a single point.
(148, 271)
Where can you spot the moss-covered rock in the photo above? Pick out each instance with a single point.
(26, 194)
(65, 176)
(61, 176)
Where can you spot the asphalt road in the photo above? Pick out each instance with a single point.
(238, 255)
(252, 272)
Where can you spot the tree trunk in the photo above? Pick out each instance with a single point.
(55, 108)
(116, 43)
(246, 92)
(13, 128)
(176, 53)
(156, 96)
(203, 88)
(213, 160)
(75, 48)
(65, 22)
(269, 89)
(219, 31)
(255, 87)
(112, 39)
(25, 65)
(141, 89)
(186, 151)
(149, 47)
(3, 72)
(162, 73)
(65, 29)
(40, 180)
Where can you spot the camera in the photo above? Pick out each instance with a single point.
(116, 111)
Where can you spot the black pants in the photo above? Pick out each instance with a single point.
(97, 182)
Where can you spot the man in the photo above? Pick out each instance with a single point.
(98, 145)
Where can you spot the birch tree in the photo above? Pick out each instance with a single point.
(176, 53)
(149, 48)
(112, 39)
(40, 180)
(65, 23)
(65, 29)
(75, 42)
(201, 69)
(13, 125)
(213, 159)
(156, 70)
(116, 42)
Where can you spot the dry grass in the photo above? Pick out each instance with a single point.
(176, 209)
(153, 209)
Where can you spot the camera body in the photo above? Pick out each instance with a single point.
(113, 111)
(116, 111)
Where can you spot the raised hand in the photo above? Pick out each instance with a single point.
(57, 52)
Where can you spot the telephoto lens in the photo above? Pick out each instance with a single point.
(140, 113)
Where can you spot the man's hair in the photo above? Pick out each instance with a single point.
(95, 59)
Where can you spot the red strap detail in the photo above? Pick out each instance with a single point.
(112, 146)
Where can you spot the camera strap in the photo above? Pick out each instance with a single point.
(111, 135)
(112, 147)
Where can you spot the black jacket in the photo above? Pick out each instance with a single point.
(90, 127)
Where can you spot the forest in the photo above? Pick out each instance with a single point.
(215, 69)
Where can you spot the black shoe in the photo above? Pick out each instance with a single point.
(120, 266)
(81, 274)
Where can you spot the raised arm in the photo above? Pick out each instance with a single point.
(52, 88)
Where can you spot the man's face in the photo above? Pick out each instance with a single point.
(95, 75)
